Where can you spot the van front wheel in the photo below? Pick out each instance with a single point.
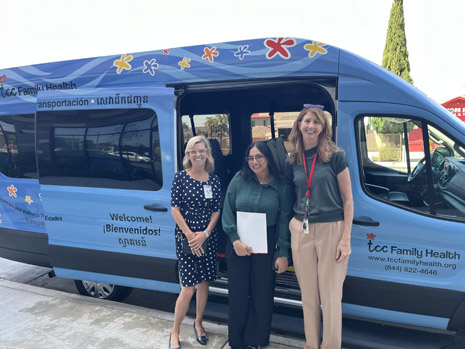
(102, 290)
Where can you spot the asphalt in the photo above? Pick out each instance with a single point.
(36, 317)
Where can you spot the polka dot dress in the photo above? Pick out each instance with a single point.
(188, 194)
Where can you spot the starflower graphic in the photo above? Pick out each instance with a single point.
(314, 48)
(1, 219)
(28, 199)
(166, 51)
(184, 63)
(12, 190)
(279, 47)
(210, 53)
(150, 66)
(2, 79)
(123, 63)
(371, 236)
(242, 51)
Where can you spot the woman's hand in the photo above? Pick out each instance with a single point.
(195, 242)
(242, 249)
(343, 250)
(281, 264)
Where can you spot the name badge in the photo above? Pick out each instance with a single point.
(305, 226)
(207, 190)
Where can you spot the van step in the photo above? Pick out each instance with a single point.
(355, 333)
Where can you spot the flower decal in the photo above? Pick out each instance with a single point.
(371, 236)
(150, 66)
(166, 51)
(123, 63)
(242, 51)
(279, 47)
(2, 79)
(184, 63)
(210, 53)
(28, 199)
(314, 48)
(12, 190)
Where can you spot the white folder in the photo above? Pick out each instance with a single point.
(251, 228)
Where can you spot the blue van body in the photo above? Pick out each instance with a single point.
(107, 137)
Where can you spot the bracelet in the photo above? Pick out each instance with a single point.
(236, 242)
(206, 233)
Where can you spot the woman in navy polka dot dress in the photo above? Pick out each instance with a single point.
(195, 206)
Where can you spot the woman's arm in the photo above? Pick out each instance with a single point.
(228, 219)
(345, 188)
(200, 236)
(179, 219)
(286, 206)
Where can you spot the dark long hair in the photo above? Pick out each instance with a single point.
(246, 172)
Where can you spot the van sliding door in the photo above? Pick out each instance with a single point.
(106, 163)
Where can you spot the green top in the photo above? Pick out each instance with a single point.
(248, 195)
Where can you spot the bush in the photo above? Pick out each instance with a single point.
(389, 154)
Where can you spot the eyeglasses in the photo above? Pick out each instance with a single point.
(258, 157)
(201, 151)
(317, 106)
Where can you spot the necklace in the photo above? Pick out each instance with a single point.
(200, 177)
(266, 181)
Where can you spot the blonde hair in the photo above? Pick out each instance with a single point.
(209, 164)
(325, 148)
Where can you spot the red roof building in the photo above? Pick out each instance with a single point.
(456, 106)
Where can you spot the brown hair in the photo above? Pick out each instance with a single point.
(326, 147)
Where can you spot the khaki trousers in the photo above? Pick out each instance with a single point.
(320, 279)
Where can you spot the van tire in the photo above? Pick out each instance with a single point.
(102, 290)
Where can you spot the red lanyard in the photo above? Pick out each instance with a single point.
(309, 178)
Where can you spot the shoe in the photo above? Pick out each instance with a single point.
(169, 344)
(201, 339)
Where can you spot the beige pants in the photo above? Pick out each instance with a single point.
(320, 279)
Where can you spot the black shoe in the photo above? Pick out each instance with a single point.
(201, 339)
(169, 344)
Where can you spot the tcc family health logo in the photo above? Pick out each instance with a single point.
(375, 248)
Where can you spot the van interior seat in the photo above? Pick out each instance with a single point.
(221, 167)
(387, 194)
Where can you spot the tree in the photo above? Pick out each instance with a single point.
(395, 59)
(395, 55)
(217, 126)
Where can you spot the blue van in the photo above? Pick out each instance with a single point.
(89, 149)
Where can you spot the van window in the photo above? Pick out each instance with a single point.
(212, 126)
(394, 167)
(116, 148)
(17, 151)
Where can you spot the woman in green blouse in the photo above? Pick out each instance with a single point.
(256, 188)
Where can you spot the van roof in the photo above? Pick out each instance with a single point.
(358, 79)
(247, 59)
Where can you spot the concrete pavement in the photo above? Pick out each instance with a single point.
(35, 317)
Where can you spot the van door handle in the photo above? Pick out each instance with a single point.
(365, 221)
(156, 208)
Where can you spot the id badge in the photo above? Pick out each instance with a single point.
(305, 225)
(207, 190)
(305, 222)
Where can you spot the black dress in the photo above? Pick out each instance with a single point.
(188, 194)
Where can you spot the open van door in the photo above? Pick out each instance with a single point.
(106, 163)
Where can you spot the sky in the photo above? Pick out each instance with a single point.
(38, 31)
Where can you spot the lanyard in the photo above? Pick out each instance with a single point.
(309, 178)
